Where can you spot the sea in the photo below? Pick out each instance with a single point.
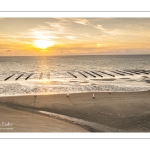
(28, 75)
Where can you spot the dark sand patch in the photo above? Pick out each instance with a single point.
(79, 81)
(103, 79)
(131, 80)
(73, 81)
(84, 82)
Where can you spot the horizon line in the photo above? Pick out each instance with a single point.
(75, 55)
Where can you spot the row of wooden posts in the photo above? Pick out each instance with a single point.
(91, 73)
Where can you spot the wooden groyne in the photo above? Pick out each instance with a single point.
(125, 72)
(132, 71)
(82, 74)
(143, 71)
(29, 76)
(139, 72)
(107, 73)
(90, 74)
(19, 76)
(118, 73)
(72, 75)
(76, 74)
(9, 77)
(97, 74)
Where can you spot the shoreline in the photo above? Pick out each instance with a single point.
(122, 111)
(84, 92)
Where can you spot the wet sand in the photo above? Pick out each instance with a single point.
(104, 79)
(12, 120)
(107, 112)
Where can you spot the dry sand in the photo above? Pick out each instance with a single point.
(108, 112)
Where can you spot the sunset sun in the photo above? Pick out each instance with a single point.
(43, 44)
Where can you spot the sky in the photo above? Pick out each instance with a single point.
(74, 36)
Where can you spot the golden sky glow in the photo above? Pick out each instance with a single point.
(74, 36)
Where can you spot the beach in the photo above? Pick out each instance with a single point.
(78, 112)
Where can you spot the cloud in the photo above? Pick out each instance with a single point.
(8, 51)
(82, 21)
(129, 51)
(56, 27)
(85, 34)
(42, 35)
(100, 27)
(89, 36)
(71, 37)
(86, 22)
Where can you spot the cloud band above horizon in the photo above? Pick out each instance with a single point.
(74, 36)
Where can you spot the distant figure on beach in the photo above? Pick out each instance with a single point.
(93, 96)
(67, 94)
